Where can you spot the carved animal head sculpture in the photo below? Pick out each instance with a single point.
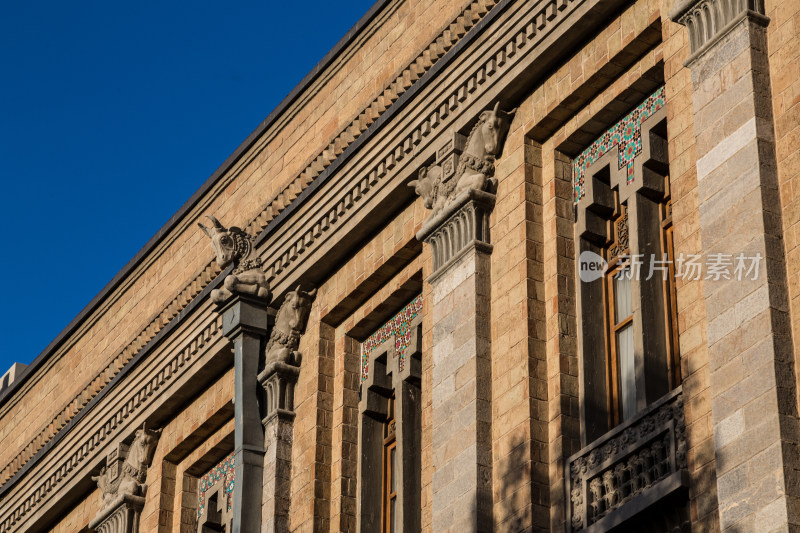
(141, 452)
(476, 163)
(290, 323)
(129, 479)
(232, 245)
(491, 131)
(229, 244)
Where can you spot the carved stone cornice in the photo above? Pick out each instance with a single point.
(707, 21)
(462, 225)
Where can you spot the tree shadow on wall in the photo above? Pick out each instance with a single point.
(512, 514)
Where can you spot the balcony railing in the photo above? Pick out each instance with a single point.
(630, 468)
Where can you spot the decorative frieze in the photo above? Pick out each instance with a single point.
(399, 328)
(625, 135)
(708, 20)
(122, 483)
(635, 464)
(538, 22)
(215, 496)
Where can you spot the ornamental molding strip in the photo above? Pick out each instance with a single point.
(451, 98)
(707, 21)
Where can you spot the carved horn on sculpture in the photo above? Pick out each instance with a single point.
(216, 222)
(496, 107)
(312, 293)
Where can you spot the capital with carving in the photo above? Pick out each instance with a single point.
(709, 20)
(464, 163)
(122, 483)
(235, 246)
(283, 359)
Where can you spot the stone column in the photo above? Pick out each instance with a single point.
(462, 448)
(244, 322)
(281, 370)
(754, 410)
(278, 381)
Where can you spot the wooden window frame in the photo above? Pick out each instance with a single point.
(389, 444)
(670, 291)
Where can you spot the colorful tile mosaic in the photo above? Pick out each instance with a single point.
(398, 327)
(625, 134)
(223, 471)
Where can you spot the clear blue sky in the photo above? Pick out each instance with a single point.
(111, 115)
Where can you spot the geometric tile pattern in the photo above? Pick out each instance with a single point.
(625, 134)
(399, 328)
(224, 470)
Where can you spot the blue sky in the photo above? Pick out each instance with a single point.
(111, 115)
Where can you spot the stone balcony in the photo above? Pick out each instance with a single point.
(637, 466)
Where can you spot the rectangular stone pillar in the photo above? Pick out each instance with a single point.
(244, 322)
(752, 379)
(278, 382)
(462, 448)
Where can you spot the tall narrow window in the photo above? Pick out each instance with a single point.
(620, 363)
(626, 313)
(390, 469)
(390, 472)
(670, 296)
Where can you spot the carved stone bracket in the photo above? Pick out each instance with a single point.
(122, 483)
(633, 466)
(709, 20)
(464, 163)
(462, 224)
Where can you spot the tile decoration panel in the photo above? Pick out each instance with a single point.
(625, 135)
(224, 471)
(399, 327)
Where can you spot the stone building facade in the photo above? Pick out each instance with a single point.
(413, 306)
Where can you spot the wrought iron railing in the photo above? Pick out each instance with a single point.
(629, 468)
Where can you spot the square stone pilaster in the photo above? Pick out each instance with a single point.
(462, 447)
(752, 379)
(278, 381)
(244, 322)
